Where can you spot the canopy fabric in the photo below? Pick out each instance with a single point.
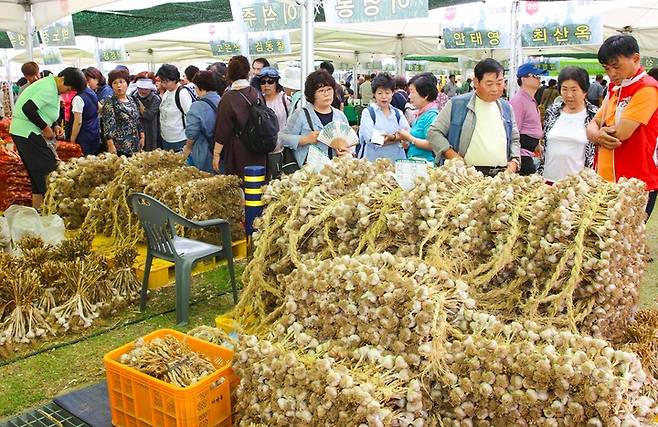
(44, 12)
(130, 23)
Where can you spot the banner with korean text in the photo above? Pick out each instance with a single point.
(561, 23)
(227, 40)
(357, 11)
(266, 24)
(544, 24)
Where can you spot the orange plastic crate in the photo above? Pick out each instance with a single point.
(137, 399)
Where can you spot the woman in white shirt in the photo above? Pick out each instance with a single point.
(176, 103)
(567, 150)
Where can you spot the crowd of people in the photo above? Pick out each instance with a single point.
(553, 129)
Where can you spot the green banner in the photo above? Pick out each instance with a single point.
(470, 38)
(649, 62)
(19, 41)
(415, 67)
(357, 11)
(592, 67)
(562, 34)
(60, 33)
(225, 48)
(269, 46)
(112, 55)
(271, 16)
(373, 66)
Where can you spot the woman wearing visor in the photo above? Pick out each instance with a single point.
(148, 102)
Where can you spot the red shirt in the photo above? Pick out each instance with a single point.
(634, 158)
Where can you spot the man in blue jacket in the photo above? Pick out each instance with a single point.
(479, 126)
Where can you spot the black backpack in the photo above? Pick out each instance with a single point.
(177, 100)
(260, 133)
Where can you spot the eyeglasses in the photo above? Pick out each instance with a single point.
(268, 81)
(533, 75)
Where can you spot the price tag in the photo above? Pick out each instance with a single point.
(406, 172)
(316, 159)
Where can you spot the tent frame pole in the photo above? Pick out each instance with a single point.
(29, 31)
(9, 81)
(355, 75)
(308, 50)
(516, 52)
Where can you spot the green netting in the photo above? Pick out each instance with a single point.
(164, 17)
(4, 41)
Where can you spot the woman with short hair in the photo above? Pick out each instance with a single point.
(380, 123)
(122, 128)
(85, 128)
(201, 122)
(96, 82)
(423, 93)
(232, 117)
(566, 148)
(305, 124)
(176, 102)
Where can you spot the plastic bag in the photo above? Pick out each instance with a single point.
(5, 237)
(24, 220)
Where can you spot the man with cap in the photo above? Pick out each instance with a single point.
(528, 118)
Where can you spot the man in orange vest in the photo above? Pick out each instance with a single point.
(626, 127)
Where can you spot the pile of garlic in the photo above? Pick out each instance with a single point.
(385, 340)
(570, 254)
(519, 372)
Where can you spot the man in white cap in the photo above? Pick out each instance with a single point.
(291, 80)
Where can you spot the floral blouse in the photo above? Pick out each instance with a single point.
(552, 114)
(121, 123)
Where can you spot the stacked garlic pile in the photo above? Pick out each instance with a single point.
(386, 340)
(519, 372)
(71, 185)
(354, 336)
(570, 254)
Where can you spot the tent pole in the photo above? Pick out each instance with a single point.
(9, 81)
(29, 30)
(399, 60)
(355, 75)
(99, 63)
(516, 52)
(308, 20)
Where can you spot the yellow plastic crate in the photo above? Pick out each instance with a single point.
(137, 399)
(163, 272)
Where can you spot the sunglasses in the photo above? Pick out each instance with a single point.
(533, 75)
(268, 81)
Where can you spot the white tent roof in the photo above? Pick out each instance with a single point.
(344, 43)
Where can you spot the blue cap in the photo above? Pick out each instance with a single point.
(270, 72)
(530, 68)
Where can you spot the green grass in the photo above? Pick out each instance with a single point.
(37, 379)
(78, 361)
